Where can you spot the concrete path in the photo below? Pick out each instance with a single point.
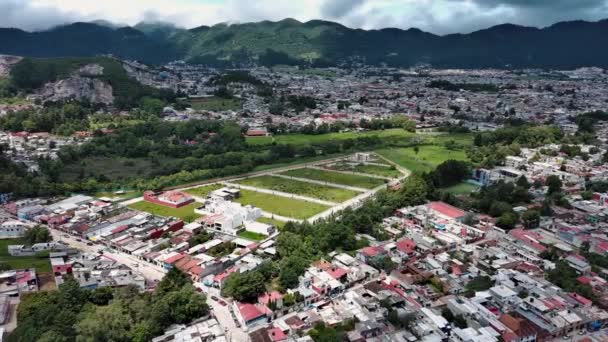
(406, 173)
(352, 173)
(282, 194)
(376, 164)
(312, 181)
(131, 201)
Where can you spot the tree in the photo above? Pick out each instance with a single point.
(554, 184)
(151, 105)
(530, 218)
(245, 287)
(522, 181)
(37, 234)
(416, 149)
(106, 323)
(507, 221)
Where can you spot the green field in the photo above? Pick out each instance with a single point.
(428, 157)
(216, 104)
(252, 235)
(185, 213)
(307, 139)
(205, 190)
(278, 224)
(383, 171)
(461, 188)
(282, 206)
(41, 264)
(335, 177)
(322, 192)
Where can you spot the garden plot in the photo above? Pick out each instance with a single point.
(322, 192)
(335, 178)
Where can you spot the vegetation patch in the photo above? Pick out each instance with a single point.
(278, 224)
(245, 234)
(185, 213)
(40, 262)
(282, 206)
(322, 192)
(422, 158)
(336, 178)
(205, 190)
(377, 170)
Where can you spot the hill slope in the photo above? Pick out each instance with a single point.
(563, 45)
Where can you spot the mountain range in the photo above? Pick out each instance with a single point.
(564, 45)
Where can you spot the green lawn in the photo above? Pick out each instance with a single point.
(252, 235)
(216, 104)
(205, 190)
(384, 171)
(307, 139)
(185, 213)
(259, 140)
(41, 264)
(461, 188)
(278, 224)
(336, 177)
(428, 157)
(322, 192)
(283, 206)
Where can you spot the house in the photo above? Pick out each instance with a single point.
(366, 254)
(250, 315)
(446, 211)
(13, 229)
(173, 199)
(272, 297)
(519, 329)
(579, 263)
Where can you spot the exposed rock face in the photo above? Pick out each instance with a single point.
(6, 63)
(80, 86)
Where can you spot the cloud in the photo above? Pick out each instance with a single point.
(436, 16)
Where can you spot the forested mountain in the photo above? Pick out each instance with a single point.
(563, 45)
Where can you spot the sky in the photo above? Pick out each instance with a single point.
(436, 16)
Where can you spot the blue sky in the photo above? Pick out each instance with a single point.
(437, 16)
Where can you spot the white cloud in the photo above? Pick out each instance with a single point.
(438, 16)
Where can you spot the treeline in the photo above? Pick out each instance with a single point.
(473, 87)
(72, 313)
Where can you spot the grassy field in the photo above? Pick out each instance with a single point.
(299, 161)
(278, 224)
(216, 104)
(205, 190)
(282, 206)
(112, 168)
(307, 139)
(322, 192)
(428, 157)
(252, 235)
(336, 178)
(461, 188)
(185, 213)
(377, 170)
(41, 264)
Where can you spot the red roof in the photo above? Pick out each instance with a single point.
(119, 229)
(446, 209)
(249, 312)
(336, 272)
(372, 251)
(584, 301)
(174, 258)
(406, 246)
(529, 238)
(584, 280)
(276, 334)
(270, 297)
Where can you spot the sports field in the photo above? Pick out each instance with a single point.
(185, 213)
(322, 192)
(283, 206)
(336, 178)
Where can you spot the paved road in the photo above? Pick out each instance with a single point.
(225, 317)
(150, 272)
(282, 194)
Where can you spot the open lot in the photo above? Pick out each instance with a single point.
(384, 171)
(336, 177)
(282, 206)
(185, 213)
(278, 224)
(216, 104)
(122, 196)
(427, 158)
(41, 264)
(252, 235)
(205, 190)
(322, 192)
(307, 139)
